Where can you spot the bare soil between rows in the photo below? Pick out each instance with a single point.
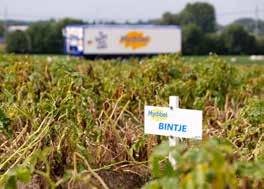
(113, 179)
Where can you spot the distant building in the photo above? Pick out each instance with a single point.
(17, 28)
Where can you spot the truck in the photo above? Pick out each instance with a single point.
(121, 40)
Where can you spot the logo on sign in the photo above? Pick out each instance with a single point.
(135, 40)
(158, 115)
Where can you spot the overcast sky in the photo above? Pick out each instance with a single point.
(122, 10)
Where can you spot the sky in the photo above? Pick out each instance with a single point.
(122, 10)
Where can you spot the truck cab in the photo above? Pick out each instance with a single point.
(74, 37)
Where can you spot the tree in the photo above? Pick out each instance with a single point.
(41, 37)
(250, 25)
(213, 43)
(192, 39)
(47, 37)
(201, 14)
(238, 41)
(18, 42)
(2, 29)
(260, 45)
(170, 19)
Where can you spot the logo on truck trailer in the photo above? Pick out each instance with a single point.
(135, 40)
(101, 40)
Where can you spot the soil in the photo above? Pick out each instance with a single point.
(122, 180)
(113, 179)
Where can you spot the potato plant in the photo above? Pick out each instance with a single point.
(74, 123)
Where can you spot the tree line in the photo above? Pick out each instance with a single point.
(201, 34)
(40, 38)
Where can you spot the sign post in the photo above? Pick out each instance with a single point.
(173, 103)
(173, 122)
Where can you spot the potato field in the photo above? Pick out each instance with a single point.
(75, 123)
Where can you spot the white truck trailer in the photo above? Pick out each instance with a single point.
(100, 40)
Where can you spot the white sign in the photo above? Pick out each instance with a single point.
(180, 123)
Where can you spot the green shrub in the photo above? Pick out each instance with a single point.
(18, 42)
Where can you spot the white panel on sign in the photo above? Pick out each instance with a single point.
(180, 123)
